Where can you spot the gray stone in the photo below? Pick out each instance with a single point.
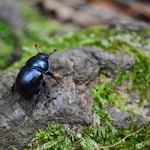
(71, 101)
(123, 119)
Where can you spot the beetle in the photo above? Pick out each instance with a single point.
(30, 78)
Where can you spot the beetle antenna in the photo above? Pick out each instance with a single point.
(52, 52)
(36, 48)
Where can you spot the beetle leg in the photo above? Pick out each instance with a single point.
(52, 75)
(37, 99)
(46, 89)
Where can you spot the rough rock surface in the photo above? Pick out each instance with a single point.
(123, 119)
(71, 101)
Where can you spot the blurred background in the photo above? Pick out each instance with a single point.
(84, 13)
(24, 22)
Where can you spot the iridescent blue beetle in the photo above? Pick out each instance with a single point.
(30, 77)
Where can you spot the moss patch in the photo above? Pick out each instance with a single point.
(7, 44)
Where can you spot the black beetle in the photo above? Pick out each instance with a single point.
(30, 78)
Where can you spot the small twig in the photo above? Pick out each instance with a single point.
(117, 143)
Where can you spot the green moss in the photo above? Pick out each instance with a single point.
(56, 138)
(108, 94)
(141, 77)
(124, 76)
(138, 141)
(7, 44)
